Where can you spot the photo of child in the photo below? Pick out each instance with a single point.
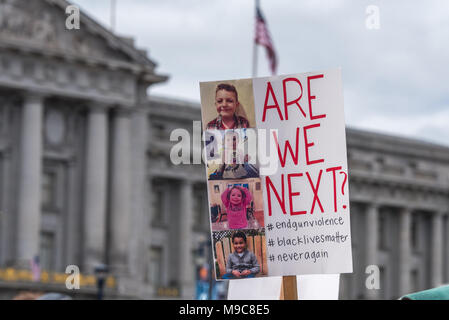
(235, 199)
(238, 204)
(241, 263)
(240, 254)
(231, 106)
(227, 102)
(229, 155)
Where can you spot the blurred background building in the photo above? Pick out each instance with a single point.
(86, 177)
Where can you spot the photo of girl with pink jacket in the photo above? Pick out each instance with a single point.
(236, 199)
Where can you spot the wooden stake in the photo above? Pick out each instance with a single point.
(289, 289)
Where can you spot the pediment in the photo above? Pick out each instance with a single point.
(40, 24)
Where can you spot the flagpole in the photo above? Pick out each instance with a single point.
(256, 2)
(112, 17)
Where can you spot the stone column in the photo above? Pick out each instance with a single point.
(6, 233)
(140, 195)
(95, 188)
(437, 250)
(446, 252)
(186, 270)
(72, 227)
(372, 217)
(29, 193)
(120, 197)
(404, 250)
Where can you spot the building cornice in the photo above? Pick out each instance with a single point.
(396, 145)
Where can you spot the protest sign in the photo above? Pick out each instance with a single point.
(284, 211)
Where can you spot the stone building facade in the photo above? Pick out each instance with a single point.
(72, 145)
(86, 177)
(399, 193)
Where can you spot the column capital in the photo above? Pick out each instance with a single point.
(373, 205)
(122, 111)
(98, 106)
(34, 96)
(406, 209)
(6, 151)
(72, 161)
(187, 182)
(439, 213)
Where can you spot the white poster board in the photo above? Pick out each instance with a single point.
(306, 199)
(310, 287)
(293, 202)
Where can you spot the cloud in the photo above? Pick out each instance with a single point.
(394, 78)
(426, 126)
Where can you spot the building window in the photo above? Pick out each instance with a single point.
(49, 180)
(446, 247)
(47, 250)
(198, 208)
(2, 116)
(1, 182)
(159, 130)
(154, 271)
(414, 233)
(383, 231)
(415, 281)
(158, 204)
(383, 281)
(55, 127)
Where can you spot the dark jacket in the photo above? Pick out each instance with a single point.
(247, 262)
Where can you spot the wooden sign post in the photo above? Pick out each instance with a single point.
(289, 289)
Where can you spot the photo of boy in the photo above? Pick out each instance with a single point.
(227, 105)
(230, 157)
(227, 102)
(241, 263)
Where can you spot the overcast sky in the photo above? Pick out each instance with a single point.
(395, 78)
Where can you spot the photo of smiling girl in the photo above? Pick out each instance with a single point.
(236, 199)
(236, 204)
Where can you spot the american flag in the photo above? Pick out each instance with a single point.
(263, 38)
(36, 268)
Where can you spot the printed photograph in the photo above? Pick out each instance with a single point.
(236, 204)
(231, 154)
(227, 104)
(240, 254)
